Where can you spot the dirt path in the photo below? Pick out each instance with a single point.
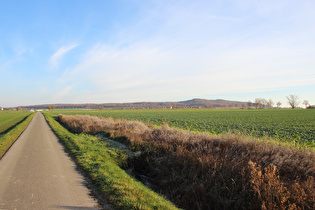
(37, 174)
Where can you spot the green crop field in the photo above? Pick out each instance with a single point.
(10, 118)
(292, 126)
(12, 124)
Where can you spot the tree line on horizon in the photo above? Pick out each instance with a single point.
(259, 103)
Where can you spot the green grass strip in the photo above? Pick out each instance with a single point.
(6, 127)
(8, 119)
(10, 137)
(93, 156)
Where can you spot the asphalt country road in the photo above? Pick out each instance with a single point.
(36, 173)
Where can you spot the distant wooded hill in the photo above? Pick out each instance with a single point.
(194, 103)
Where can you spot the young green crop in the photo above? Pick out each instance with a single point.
(8, 119)
(7, 139)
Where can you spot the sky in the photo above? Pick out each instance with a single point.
(99, 51)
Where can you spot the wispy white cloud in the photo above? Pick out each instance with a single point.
(163, 49)
(151, 70)
(56, 57)
(178, 50)
(61, 93)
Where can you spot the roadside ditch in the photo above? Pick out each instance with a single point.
(131, 166)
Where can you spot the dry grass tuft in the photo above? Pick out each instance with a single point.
(199, 171)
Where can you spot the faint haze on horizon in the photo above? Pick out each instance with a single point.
(156, 50)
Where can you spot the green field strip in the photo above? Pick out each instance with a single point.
(7, 139)
(6, 127)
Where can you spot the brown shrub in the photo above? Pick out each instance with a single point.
(199, 171)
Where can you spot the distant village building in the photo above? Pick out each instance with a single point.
(1, 109)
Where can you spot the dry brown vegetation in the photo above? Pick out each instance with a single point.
(199, 171)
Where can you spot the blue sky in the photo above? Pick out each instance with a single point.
(131, 50)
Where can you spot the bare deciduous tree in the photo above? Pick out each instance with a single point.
(51, 107)
(306, 103)
(293, 100)
(249, 104)
(270, 103)
(257, 102)
(263, 102)
(279, 104)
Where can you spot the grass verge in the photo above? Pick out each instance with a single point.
(100, 164)
(7, 139)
